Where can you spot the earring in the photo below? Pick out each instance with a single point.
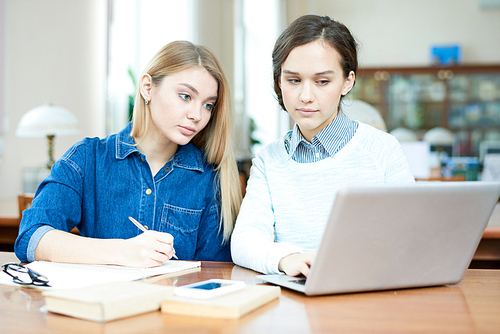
(146, 101)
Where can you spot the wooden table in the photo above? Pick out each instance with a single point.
(487, 254)
(472, 306)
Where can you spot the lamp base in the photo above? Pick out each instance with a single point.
(51, 161)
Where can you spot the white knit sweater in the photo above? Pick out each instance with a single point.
(287, 204)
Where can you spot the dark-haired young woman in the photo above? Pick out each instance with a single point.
(293, 181)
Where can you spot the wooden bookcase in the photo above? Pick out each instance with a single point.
(464, 99)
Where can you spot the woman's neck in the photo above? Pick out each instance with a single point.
(158, 151)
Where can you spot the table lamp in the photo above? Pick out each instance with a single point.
(404, 134)
(439, 136)
(50, 121)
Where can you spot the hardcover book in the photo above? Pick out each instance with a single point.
(229, 306)
(107, 301)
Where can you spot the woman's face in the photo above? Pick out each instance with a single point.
(312, 83)
(181, 105)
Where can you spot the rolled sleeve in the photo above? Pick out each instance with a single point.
(56, 205)
(34, 240)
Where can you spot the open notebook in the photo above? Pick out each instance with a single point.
(72, 275)
(381, 237)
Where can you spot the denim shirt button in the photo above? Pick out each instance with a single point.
(167, 169)
(148, 192)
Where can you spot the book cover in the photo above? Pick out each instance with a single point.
(108, 301)
(230, 306)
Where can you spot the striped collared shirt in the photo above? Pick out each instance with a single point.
(325, 144)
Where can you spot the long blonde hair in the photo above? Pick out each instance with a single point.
(215, 138)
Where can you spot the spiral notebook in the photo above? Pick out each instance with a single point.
(72, 275)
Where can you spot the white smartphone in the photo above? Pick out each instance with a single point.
(208, 289)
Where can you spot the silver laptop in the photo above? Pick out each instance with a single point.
(382, 237)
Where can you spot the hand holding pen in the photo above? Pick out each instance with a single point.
(143, 229)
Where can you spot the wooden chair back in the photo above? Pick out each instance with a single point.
(24, 201)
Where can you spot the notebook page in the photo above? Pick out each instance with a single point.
(72, 275)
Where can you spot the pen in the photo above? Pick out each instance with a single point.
(143, 229)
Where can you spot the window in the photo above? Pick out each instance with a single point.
(137, 30)
(257, 27)
(2, 48)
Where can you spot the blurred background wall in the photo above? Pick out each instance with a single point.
(59, 51)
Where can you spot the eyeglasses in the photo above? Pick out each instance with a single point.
(24, 275)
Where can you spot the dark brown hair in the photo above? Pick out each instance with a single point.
(309, 28)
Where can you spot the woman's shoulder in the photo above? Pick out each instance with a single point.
(90, 144)
(377, 143)
(368, 135)
(274, 151)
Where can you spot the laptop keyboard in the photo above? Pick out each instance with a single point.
(299, 281)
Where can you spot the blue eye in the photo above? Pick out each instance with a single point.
(209, 106)
(185, 97)
(323, 82)
(293, 81)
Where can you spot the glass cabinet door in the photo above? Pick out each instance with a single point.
(416, 101)
(463, 99)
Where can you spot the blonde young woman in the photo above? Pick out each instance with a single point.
(172, 168)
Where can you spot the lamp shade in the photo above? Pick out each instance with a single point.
(404, 134)
(358, 110)
(47, 120)
(439, 136)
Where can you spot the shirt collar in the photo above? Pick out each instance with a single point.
(187, 156)
(322, 138)
(125, 144)
(331, 136)
(294, 141)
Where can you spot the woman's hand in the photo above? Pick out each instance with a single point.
(148, 249)
(297, 263)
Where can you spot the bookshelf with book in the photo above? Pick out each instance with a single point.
(464, 99)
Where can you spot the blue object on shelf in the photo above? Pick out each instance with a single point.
(467, 166)
(446, 55)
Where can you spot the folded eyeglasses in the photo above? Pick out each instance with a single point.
(24, 275)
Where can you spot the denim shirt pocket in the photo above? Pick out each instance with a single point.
(183, 225)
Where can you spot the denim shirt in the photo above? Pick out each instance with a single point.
(99, 183)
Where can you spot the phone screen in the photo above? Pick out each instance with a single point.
(210, 286)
